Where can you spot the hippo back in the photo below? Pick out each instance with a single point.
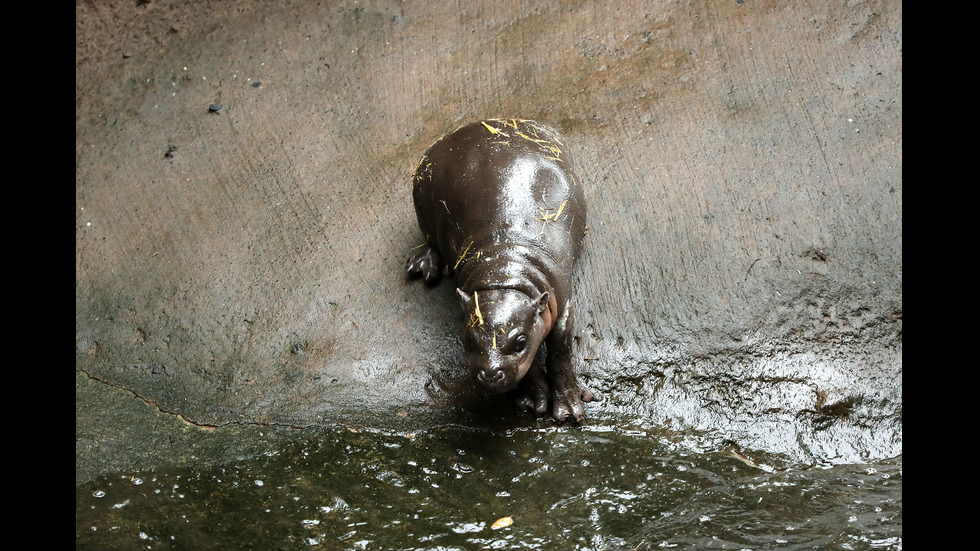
(500, 184)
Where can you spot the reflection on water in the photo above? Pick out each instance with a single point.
(600, 486)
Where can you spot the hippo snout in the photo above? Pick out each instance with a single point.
(493, 378)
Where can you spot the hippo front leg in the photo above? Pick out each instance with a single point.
(567, 395)
(534, 390)
(425, 261)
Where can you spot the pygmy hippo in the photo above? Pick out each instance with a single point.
(500, 205)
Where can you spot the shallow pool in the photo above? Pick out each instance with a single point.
(605, 485)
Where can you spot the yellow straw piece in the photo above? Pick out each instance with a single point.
(551, 217)
(495, 131)
(476, 310)
(561, 208)
(463, 255)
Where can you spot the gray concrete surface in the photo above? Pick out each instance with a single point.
(242, 268)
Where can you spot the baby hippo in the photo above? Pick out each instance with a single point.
(500, 205)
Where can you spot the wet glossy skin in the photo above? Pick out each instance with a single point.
(501, 207)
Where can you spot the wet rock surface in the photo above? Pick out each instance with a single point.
(241, 267)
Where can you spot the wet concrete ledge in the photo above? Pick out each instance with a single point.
(240, 268)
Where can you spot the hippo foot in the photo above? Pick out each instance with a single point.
(534, 391)
(533, 397)
(567, 405)
(427, 262)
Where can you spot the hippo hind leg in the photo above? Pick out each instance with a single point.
(425, 261)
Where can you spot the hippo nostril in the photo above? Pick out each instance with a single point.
(491, 377)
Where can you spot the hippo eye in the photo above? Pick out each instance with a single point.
(520, 343)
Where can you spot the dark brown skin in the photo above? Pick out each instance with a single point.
(501, 206)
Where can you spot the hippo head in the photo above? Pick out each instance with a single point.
(503, 329)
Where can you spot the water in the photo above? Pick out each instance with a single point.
(601, 486)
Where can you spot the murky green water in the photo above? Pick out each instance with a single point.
(600, 486)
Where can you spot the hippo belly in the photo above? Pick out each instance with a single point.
(502, 209)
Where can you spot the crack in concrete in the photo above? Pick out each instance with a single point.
(184, 418)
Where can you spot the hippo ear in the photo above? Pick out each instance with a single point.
(464, 298)
(541, 304)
